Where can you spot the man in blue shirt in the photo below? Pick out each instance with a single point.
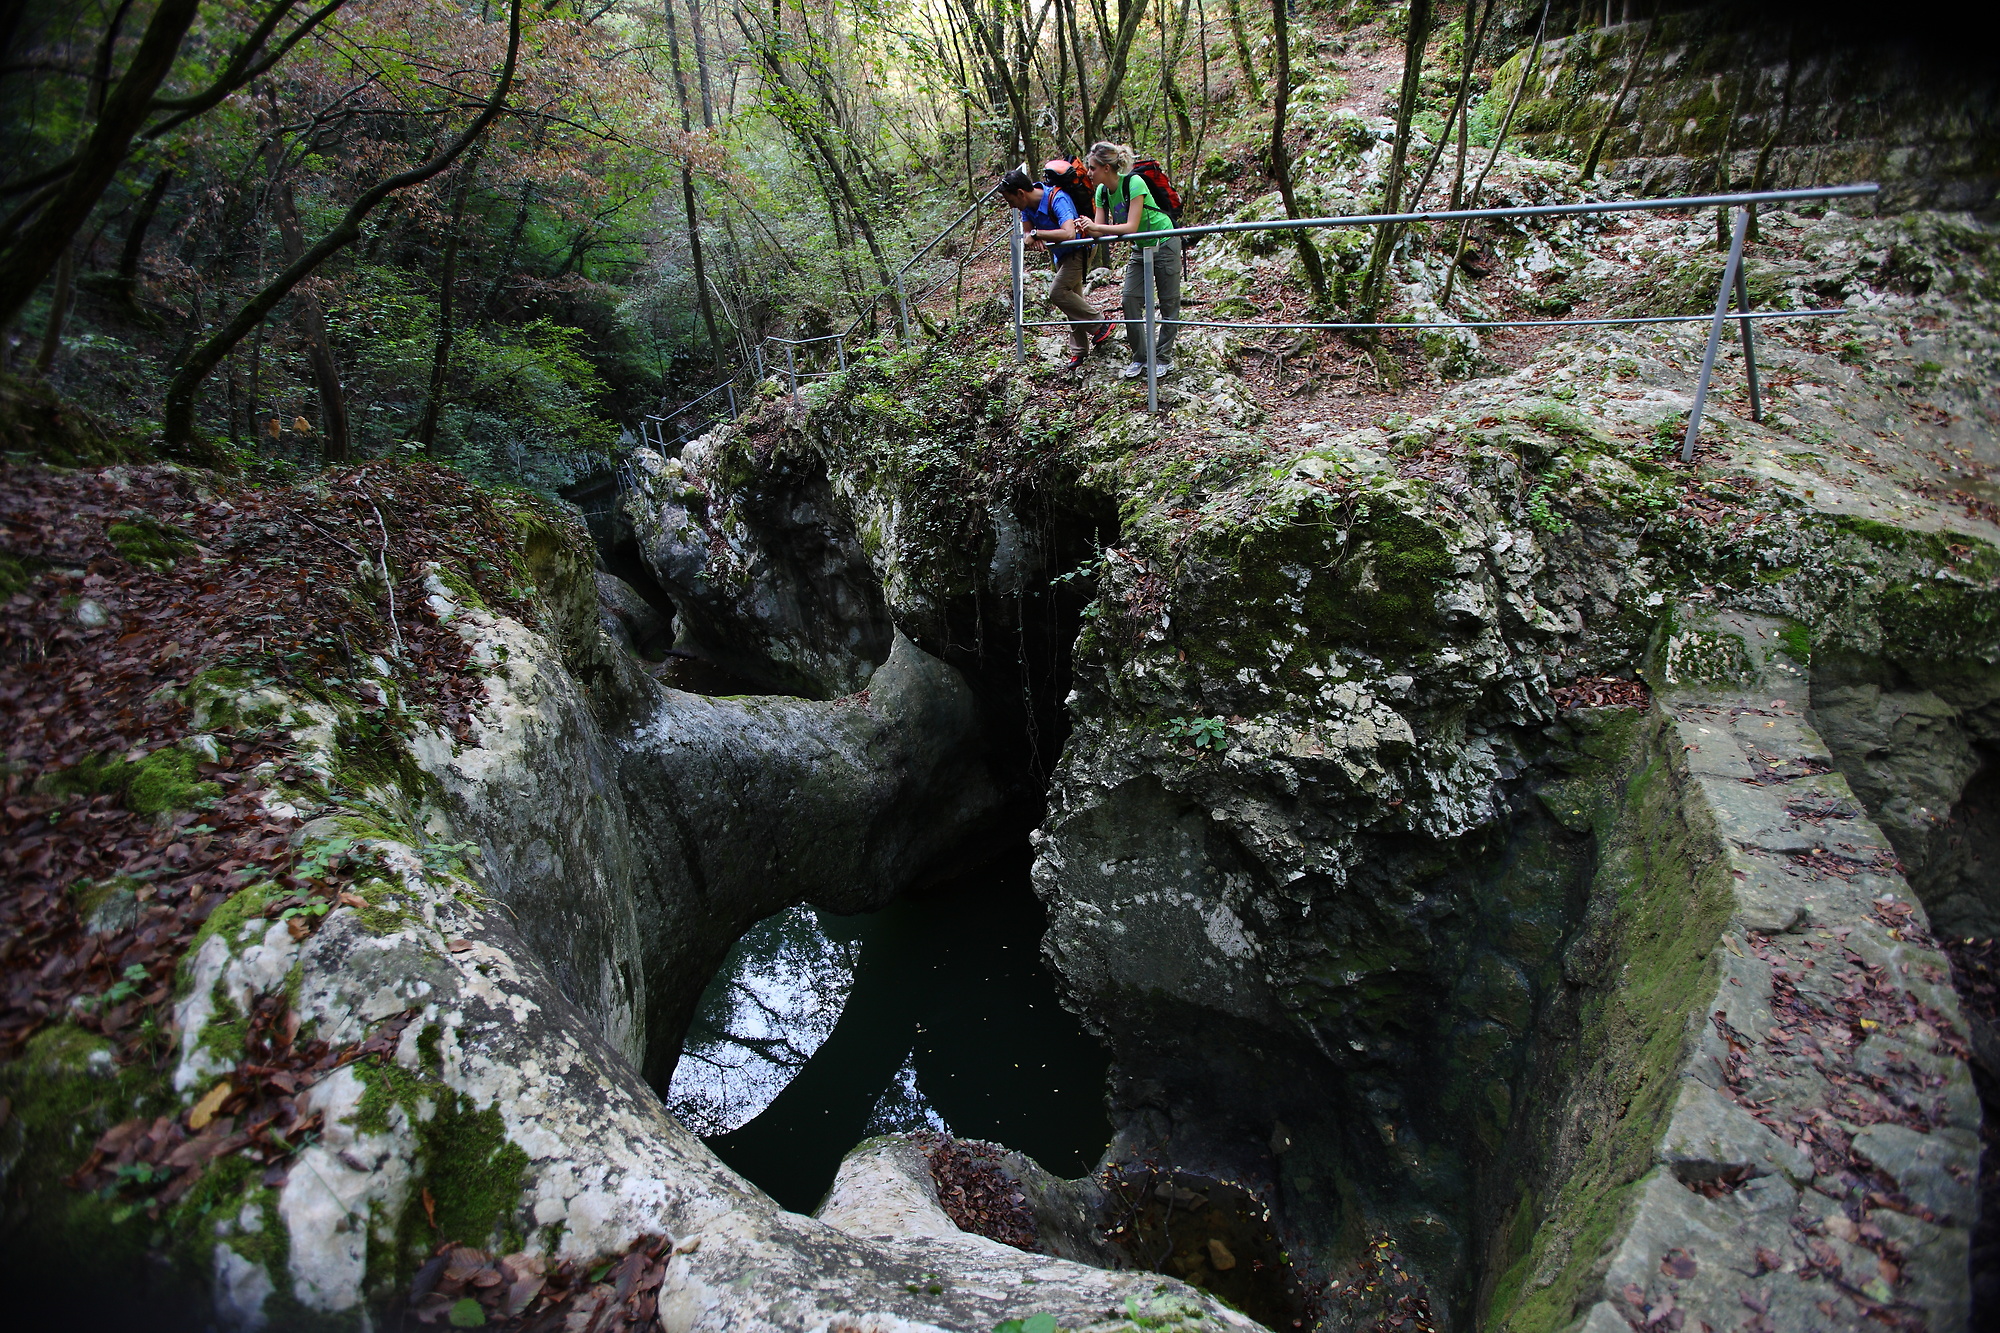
(1049, 220)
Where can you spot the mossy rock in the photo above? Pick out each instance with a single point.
(17, 572)
(144, 541)
(163, 780)
(65, 1089)
(35, 422)
(465, 1162)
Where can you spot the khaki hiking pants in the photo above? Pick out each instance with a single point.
(1167, 282)
(1066, 295)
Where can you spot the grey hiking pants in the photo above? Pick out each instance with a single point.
(1167, 295)
(1066, 295)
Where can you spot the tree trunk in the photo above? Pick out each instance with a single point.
(701, 63)
(447, 284)
(991, 44)
(179, 415)
(135, 238)
(310, 316)
(1281, 160)
(45, 355)
(1474, 39)
(40, 245)
(1085, 108)
(687, 189)
(1389, 233)
(1499, 140)
(1618, 102)
(489, 306)
(1117, 52)
(1241, 32)
(307, 312)
(802, 125)
(1728, 143)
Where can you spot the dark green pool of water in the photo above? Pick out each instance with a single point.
(951, 982)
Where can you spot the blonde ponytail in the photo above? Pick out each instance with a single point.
(1118, 155)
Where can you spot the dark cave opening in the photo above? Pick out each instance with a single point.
(1235, 1135)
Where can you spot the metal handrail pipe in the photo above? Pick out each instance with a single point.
(692, 401)
(1476, 323)
(801, 342)
(949, 229)
(995, 244)
(1526, 211)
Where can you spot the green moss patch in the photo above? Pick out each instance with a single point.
(369, 751)
(65, 1090)
(463, 1158)
(1651, 968)
(473, 1173)
(36, 422)
(163, 780)
(17, 572)
(148, 543)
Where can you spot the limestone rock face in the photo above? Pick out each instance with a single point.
(627, 834)
(635, 860)
(629, 620)
(1333, 860)
(772, 582)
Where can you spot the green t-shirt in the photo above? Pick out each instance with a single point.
(1117, 206)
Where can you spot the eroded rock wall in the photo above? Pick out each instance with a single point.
(1764, 1099)
(1326, 858)
(503, 1114)
(1725, 98)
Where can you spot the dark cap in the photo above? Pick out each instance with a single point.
(1017, 182)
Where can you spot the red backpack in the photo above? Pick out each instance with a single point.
(1068, 175)
(1164, 193)
(1165, 197)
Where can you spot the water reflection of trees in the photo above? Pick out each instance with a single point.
(771, 1005)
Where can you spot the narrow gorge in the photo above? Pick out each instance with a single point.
(1381, 843)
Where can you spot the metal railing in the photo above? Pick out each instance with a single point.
(1733, 283)
(653, 427)
(904, 305)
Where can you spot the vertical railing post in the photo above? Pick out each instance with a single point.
(731, 386)
(1152, 337)
(758, 352)
(1749, 339)
(902, 308)
(840, 346)
(1729, 275)
(1020, 334)
(792, 368)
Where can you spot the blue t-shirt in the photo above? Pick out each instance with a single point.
(1052, 214)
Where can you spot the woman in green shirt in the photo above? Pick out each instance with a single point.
(1123, 195)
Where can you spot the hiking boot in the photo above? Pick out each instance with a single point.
(1162, 368)
(1076, 359)
(1133, 371)
(1102, 336)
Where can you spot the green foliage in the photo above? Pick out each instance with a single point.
(1204, 732)
(17, 572)
(1545, 518)
(65, 1089)
(1034, 1323)
(127, 986)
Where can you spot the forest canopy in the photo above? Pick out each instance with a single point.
(494, 230)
